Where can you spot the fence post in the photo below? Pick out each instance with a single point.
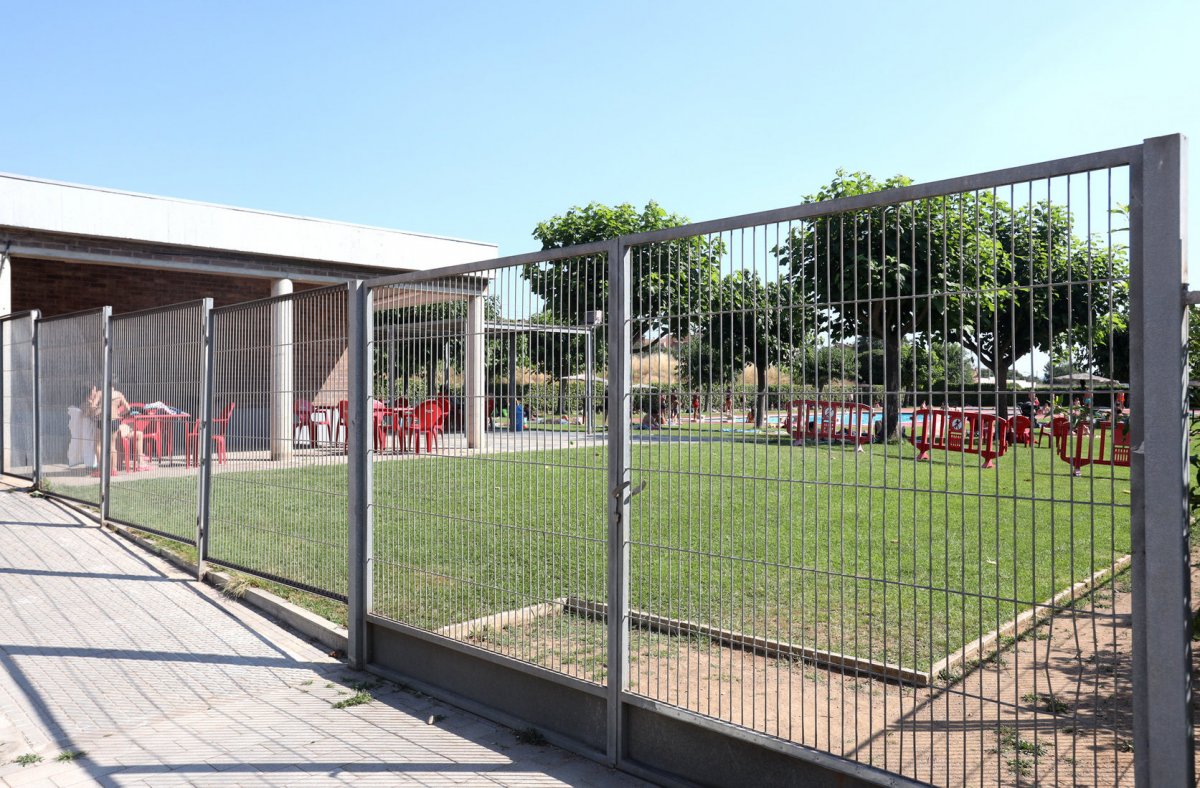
(34, 316)
(358, 438)
(106, 439)
(1161, 573)
(204, 482)
(5, 394)
(619, 306)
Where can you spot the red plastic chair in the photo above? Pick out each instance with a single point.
(126, 449)
(443, 402)
(426, 420)
(151, 431)
(192, 437)
(220, 426)
(343, 418)
(1022, 429)
(303, 417)
(1060, 432)
(380, 421)
(191, 443)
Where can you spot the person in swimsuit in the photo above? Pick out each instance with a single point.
(119, 426)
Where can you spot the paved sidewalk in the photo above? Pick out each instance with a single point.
(160, 680)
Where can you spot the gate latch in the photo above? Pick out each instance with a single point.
(632, 492)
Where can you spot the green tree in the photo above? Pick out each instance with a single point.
(889, 272)
(924, 366)
(672, 282)
(556, 353)
(1051, 287)
(817, 367)
(703, 366)
(419, 341)
(755, 322)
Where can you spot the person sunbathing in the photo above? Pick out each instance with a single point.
(119, 426)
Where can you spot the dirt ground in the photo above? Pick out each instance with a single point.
(1051, 708)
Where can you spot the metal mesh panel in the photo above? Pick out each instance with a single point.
(490, 460)
(17, 443)
(158, 368)
(860, 532)
(278, 504)
(70, 364)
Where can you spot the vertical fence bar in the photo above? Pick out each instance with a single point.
(619, 459)
(1161, 579)
(359, 472)
(205, 479)
(34, 317)
(106, 415)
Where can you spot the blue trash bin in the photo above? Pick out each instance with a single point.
(518, 419)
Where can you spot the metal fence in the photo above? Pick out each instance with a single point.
(18, 413)
(836, 562)
(72, 411)
(868, 489)
(157, 363)
(488, 512)
(277, 447)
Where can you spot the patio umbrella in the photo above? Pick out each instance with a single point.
(1083, 377)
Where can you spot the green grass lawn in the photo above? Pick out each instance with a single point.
(866, 553)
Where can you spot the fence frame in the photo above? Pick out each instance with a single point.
(204, 516)
(104, 313)
(205, 305)
(660, 741)
(360, 472)
(1162, 650)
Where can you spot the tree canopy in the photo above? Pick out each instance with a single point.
(753, 323)
(889, 272)
(1046, 291)
(670, 280)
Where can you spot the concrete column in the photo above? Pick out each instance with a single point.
(281, 396)
(474, 396)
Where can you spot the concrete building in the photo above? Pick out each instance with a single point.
(66, 247)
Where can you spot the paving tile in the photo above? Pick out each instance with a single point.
(163, 681)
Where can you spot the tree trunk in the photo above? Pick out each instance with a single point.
(1001, 372)
(562, 396)
(891, 386)
(760, 406)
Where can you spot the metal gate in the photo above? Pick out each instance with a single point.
(157, 362)
(74, 439)
(276, 440)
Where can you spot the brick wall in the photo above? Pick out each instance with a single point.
(57, 288)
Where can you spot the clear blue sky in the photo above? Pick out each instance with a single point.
(478, 120)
